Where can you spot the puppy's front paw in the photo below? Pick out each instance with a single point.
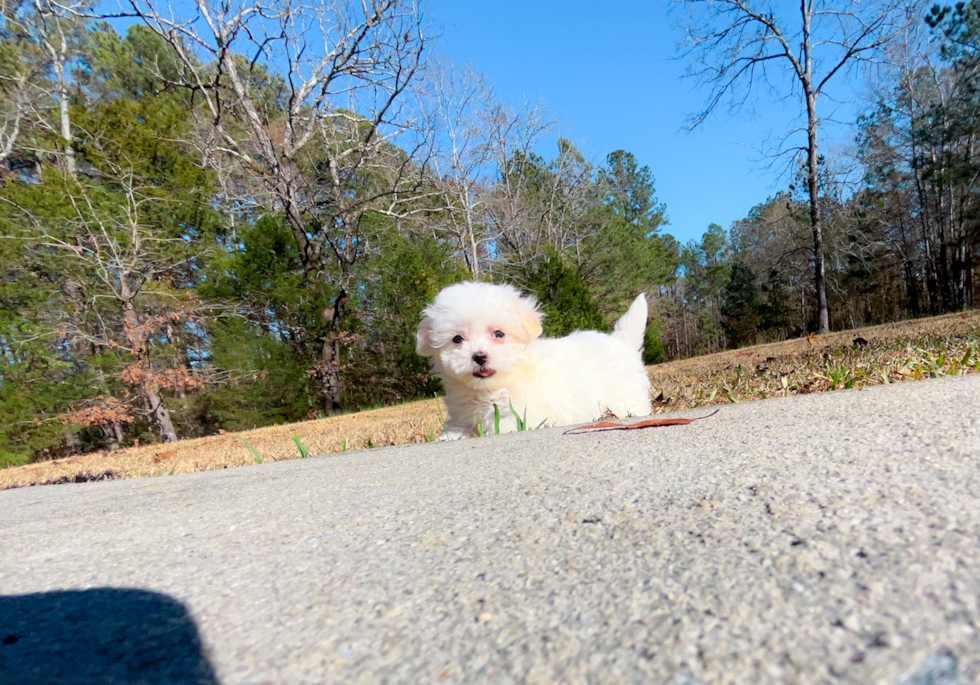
(501, 398)
(452, 434)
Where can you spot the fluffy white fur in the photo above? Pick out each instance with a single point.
(485, 345)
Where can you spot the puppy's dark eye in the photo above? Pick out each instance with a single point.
(498, 334)
(458, 339)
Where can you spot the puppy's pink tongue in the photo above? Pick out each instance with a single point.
(484, 373)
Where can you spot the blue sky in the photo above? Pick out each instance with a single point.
(606, 72)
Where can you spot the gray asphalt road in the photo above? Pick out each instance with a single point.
(822, 538)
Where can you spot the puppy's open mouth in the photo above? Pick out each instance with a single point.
(484, 372)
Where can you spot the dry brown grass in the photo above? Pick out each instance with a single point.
(924, 348)
(415, 422)
(908, 350)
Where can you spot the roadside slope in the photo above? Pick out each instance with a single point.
(910, 350)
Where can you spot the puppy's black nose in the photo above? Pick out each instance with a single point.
(480, 358)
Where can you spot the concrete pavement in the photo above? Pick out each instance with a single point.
(821, 538)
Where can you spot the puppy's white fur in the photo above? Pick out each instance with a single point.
(485, 345)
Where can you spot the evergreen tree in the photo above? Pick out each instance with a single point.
(382, 366)
(741, 307)
(563, 297)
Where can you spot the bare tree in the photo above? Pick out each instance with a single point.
(919, 145)
(737, 46)
(17, 71)
(479, 154)
(309, 98)
(13, 106)
(41, 40)
(542, 205)
(53, 28)
(121, 291)
(461, 157)
(511, 137)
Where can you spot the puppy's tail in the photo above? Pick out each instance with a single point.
(631, 327)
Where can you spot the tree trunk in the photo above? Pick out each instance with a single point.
(117, 433)
(968, 283)
(72, 443)
(945, 280)
(911, 288)
(160, 413)
(59, 57)
(474, 249)
(326, 372)
(141, 356)
(7, 148)
(328, 375)
(823, 323)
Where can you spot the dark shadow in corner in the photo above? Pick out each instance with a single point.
(103, 635)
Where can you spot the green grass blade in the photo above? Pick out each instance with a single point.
(303, 452)
(255, 452)
(521, 422)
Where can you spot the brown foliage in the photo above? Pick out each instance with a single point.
(109, 410)
(180, 378)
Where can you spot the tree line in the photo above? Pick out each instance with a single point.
(233, 218)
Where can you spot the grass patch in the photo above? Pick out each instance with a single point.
(931, 348)
(521, 420)
(406, 423)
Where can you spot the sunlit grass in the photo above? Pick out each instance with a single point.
(880, 356)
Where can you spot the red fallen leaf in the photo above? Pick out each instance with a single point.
(649, 423)
(163, 456)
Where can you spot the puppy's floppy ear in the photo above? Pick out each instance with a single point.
(530, 317)
(423, 338)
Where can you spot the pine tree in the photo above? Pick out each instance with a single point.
(741, 307)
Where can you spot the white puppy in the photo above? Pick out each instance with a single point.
(485, 346)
